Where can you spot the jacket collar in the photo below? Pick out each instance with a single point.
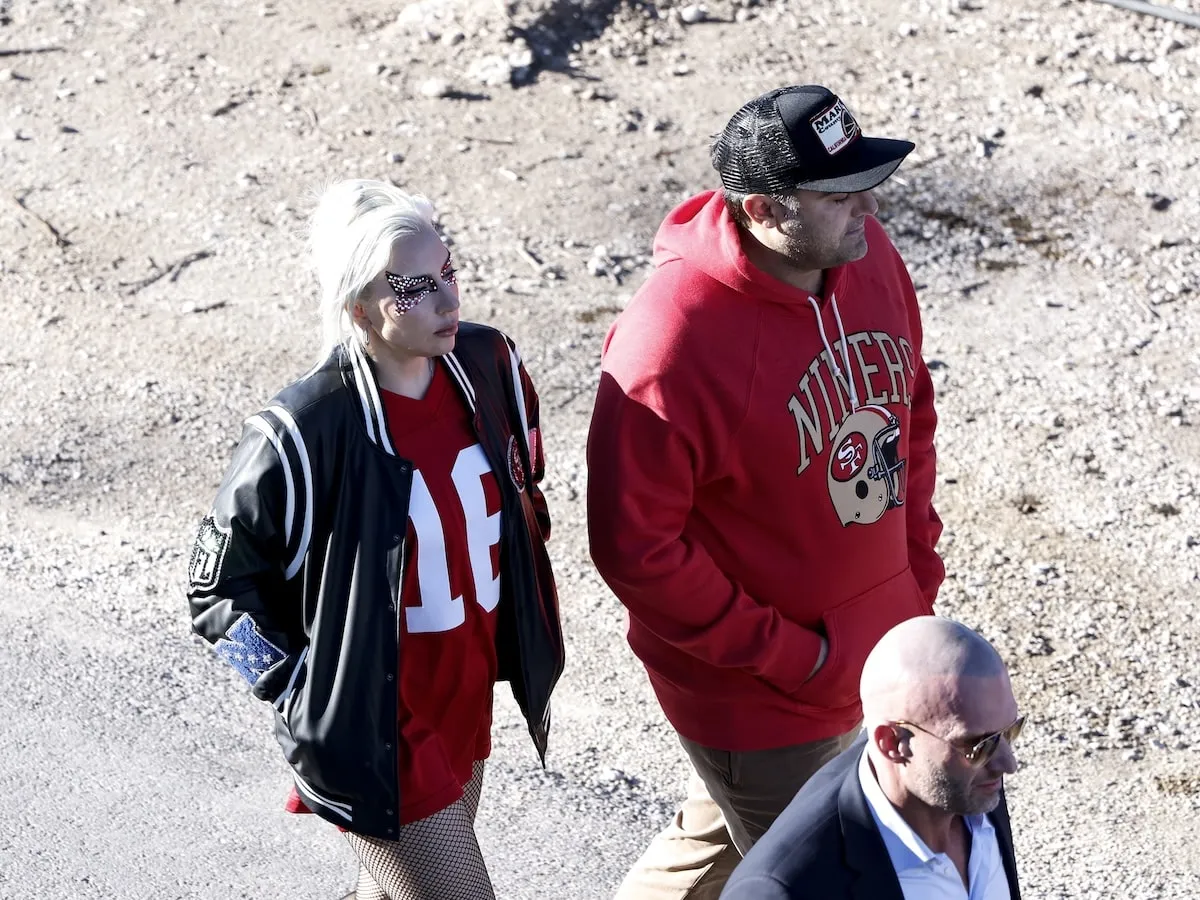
(1000, 821)
(865, 850)
(358, 372)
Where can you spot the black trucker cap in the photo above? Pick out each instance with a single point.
(802, 137)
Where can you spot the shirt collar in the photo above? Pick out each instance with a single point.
(904, 845)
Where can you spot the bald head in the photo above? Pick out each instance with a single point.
(922, 669)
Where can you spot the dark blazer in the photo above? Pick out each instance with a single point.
(825, 845)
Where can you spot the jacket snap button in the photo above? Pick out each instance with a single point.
(391, 677)
(391, 812)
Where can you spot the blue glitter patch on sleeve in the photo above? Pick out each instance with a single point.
(247, 650)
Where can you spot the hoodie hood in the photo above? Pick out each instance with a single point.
(701, 232)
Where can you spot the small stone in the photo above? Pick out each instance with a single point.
(906, 29)
(521, 61)
(1078, 78)
(6, 75)
(693, 14)
(435, 87)
(984, 148)
(395, 157)
(521, 56)
(599, 262)
(1169, 45)
(491, 70)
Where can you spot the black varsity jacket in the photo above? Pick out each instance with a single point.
(295, 574)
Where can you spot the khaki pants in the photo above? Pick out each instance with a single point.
(732, 800)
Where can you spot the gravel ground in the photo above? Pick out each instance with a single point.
(156, 165)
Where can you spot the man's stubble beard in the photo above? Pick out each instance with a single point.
(798, 247)
(941, 791)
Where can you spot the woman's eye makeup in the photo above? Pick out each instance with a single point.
(412, 289)
(409, 289)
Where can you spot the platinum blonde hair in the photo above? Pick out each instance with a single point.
(350, 238)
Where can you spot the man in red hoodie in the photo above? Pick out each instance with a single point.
(761, 470)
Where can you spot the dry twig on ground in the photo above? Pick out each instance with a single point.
(28, 51)
(173, 270)
(54, 233)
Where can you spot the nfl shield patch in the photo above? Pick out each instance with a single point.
(207, 556)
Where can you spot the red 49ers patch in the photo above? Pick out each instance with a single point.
(516, 469)
(849, 457)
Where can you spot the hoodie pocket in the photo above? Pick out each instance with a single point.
(852, 630)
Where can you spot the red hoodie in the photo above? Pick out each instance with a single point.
(744, 499)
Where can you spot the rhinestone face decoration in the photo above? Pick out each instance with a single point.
(412, 289)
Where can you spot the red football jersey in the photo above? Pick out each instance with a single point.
(449, 595)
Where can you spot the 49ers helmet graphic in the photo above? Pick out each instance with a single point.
(866, 473)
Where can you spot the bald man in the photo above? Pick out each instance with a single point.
(914, 809)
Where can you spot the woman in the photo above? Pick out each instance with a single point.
(375, 558)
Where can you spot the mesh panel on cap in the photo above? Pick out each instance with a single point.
(755, 153)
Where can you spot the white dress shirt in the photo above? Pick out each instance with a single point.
(923, 874)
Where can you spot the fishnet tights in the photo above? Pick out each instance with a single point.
(436, 858)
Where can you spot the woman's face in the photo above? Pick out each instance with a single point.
(411, 308)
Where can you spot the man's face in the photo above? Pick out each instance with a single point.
(939, 774)
(821, 231)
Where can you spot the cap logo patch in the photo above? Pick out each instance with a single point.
(835, 127)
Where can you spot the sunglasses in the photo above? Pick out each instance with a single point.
(981, 752)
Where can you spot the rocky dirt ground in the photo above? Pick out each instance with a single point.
(156, 164)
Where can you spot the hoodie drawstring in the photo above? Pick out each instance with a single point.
(845, 377)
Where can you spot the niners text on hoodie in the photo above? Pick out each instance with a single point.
(761, 474)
